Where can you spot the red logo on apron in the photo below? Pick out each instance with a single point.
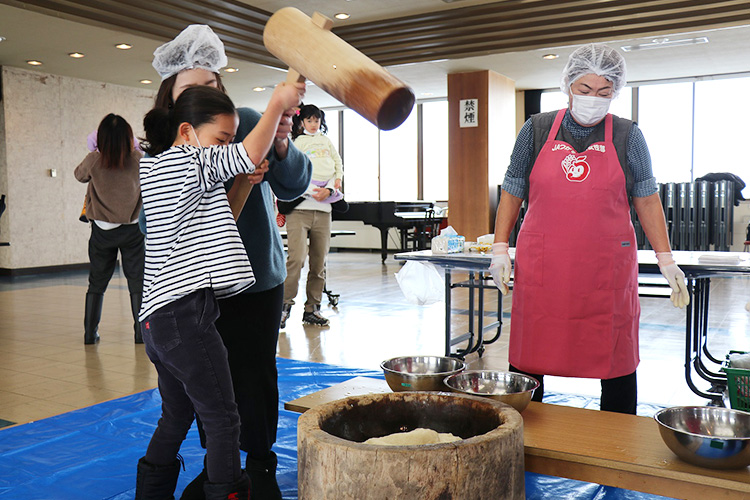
(576, 168)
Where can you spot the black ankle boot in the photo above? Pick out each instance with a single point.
(91, 317)
(239, 489)
(194, 490)
(135, 306)
(263, 478)
(156, 482)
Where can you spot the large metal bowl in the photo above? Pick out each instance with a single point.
(419, 373)
(514, 389)
(707, 436)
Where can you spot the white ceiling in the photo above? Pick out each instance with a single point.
(30, 35)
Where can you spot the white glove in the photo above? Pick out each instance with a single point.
(675, 277)
(500, 267)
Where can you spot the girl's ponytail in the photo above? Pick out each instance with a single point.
(297, 126)
(160, 131)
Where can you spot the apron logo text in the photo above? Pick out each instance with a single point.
(576, 168)
(559, 145)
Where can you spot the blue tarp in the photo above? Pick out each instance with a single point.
(92, 453)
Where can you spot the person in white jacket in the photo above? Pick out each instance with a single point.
(310, 215)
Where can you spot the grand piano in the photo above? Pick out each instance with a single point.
(417, 222)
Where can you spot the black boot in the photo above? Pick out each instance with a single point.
(91, 317)
(156, 482)
(263, 478)
(135, 306)
(239, 489)
(194, 490)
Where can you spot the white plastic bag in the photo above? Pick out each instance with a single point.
(421, 283)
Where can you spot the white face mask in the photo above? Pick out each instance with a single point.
(588, 110)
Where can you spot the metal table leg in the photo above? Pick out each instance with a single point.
(696, 332)
(448, 288)
(499, 310)
(474, 336)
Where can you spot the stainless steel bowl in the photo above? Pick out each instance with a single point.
(717, 438)
(419, 373)
(514, 389)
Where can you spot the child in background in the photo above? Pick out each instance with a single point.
(310, 215)
(194, 254)
(309, 127)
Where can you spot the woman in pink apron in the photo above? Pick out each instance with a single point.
(575, 294)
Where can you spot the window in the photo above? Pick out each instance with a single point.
(384, 165)
(435, 150)
(332, 120)
(398, 161)
(665, 116)
(721, 110)
(361, 171)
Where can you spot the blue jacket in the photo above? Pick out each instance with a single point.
(287, 179)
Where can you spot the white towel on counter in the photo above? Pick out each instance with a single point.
(738, 360)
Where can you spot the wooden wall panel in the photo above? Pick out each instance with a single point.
(475, 153)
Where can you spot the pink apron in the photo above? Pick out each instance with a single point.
(575, 294)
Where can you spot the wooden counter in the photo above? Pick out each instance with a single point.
(607, 448)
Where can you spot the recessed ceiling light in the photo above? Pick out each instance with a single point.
(427, 94)
(231, 70)
(550, 56)
(34, 63)
(146, 82)
(2, 38)
(76, 55)
(124, 46)
(663, 43)
(258, 89)
(341, 15)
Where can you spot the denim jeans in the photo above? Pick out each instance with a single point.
(249, 325)
(191, 360)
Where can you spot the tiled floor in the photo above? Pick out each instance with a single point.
(45, 369)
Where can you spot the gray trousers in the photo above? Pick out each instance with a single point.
(302, 225)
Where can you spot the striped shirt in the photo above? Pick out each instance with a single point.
(192, 240)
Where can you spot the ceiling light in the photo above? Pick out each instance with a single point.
(427, 94)
(146, 81)
(549, 57)
(124, 46)
(76, 55)
(231, 70)
(663, 43)
(258, 89)
(34, 63)
(341, 15)
(2, 38)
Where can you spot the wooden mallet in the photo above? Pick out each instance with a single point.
(309, 48)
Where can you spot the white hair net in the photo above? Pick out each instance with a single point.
(598, 59)
(196, 47)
